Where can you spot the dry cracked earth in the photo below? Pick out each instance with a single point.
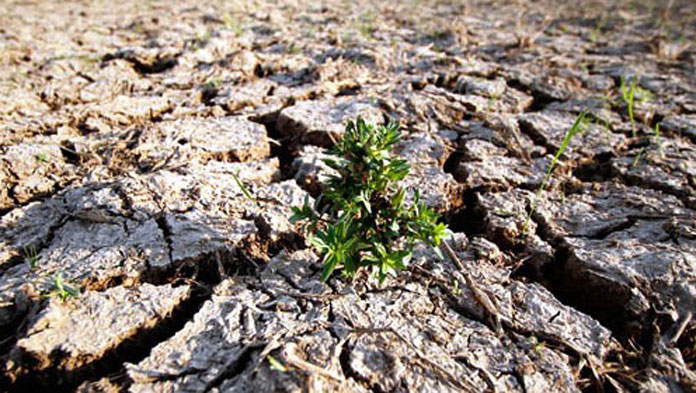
(123, 125)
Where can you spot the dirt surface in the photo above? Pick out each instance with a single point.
(124, 124)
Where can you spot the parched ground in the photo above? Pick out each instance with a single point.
(124, 123)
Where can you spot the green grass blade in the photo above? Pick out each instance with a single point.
(568, 137)
(244, 189)
(659, 140)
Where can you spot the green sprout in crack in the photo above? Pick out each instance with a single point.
(456, 291)
(60, 289)
(574, 129)
(638, 157)
(597, 29)
(43, 158)
(245, 191)
(276, 365)
(658, 135)
(628, 95)
(31, 256)
(361, 219)
(233, 24)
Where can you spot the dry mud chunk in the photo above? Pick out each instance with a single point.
(426, 155)
(682, 125)
(72, 334)
(30, 170)
(221, 139)
(147, 60)
(625, 248)
(318, 122)
(550, 128)
(194, 234)
(669, 165)
(526, 308)
(257, 172)
(220, 347)
(115, 77)
(599, 110)
(253, 94)
(207, 185)
(605, 208)
(504, 217)
(541, 84)
(125, 109)
(437, 189)
(161, 191)
(94, 253)
(89, 246)
(618, 280)
(503, 173)
(272, 215)
(385, 361)
(423, 150)
(482, 87)
(221, 344)
(502, 132)
(24, 230)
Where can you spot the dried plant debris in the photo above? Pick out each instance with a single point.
(150, 163)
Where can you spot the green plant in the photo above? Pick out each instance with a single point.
(361, 218)
(31, 256)
(43, 158)
(59, 288)
(574, 129)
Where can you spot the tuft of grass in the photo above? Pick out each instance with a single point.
(31, 255)
(577, 126)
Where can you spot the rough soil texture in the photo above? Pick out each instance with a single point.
(123, 126)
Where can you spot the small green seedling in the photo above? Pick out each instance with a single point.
(42, 158)
(361, 219)
(597, 29)
(659, 140)
(638, 157)
(233, 24)
(244, 189)
(276, 365)
(60, 289)
(31, 256)
(456, 291)
(628, 95)
(576, 127)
